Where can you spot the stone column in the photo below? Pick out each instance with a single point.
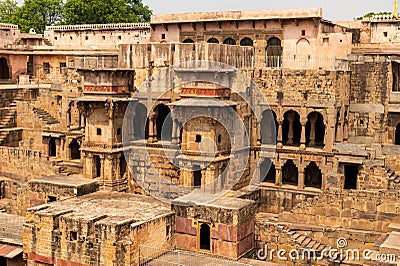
(151, 128)
(278, 179)
(88, 167)
(291, 117)
(303, 136)
(258, 131)
(301, 177)
(175, 130)
(313, 120)
(279, 137)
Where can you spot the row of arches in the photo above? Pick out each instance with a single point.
(292, 129)
(74, 149)
(290, 174)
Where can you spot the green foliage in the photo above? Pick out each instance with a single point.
(105, 11)
(38, 14)
(7, 10)
(371, 14)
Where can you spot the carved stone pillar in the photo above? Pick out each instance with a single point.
(303, 136)
(278, 179)
(151, 128)
(313, 120)
(279, 137)
(290, 118)
(300, 182)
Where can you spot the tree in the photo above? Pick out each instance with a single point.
(7, 10)
(38, 14)
(371, 14)
(105, 11)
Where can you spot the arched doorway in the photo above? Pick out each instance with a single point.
(303, 48)
(246, 42)
(213, 40)
(122, 166)
(291, 128)
(315, 130)
(74, 149)
(188, 41)
(163, 123)
(269, 127)
(290, 173)
(139, 123)
(205, 237)
(267, 171)
(397, 137)
(52, 147)
(4, 69)
(274, 52)
(230, 41)
(313, 176)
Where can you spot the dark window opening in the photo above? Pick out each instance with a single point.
(313, 176)
(198, 138)
(73, 236)
(267, 171)
(315, 130)
(118, 132)
(213, 40)
(4, 69)
(74, 148)
(51, 199)
(230, 41)
(140, 123)
(99, 132)
(385, 34)
(397, 137)
(274, 52)
(188, 41)
(52, 147)
(168, 231)
(46, 67)
(163, 36)
(269, 127)
(86, 38)
(122, 166)
(163, 123)
(290, 173)
(291, 128)
(303, 33)
(97, 165)
(396, 77)
(246, 42)
(350, 176)
(205, 237)
(197, 177)
(219, 139)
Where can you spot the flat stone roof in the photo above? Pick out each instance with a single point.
(237, 15)
(11, 228)
(69, 181)
(114, 207)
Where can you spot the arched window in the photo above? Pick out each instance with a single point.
(290, 173)
(230, 41)
(315, 130)
(267, 171)
(269, 127)
(4, 69)
(140, 127)
(163, 123)
(74, 149)
(274, 52)
(213, 40)
(188, 41)
(397, 138)
(205, 237)
(246, 42)
(291, 128)
(313, 176)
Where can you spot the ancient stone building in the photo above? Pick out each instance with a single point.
(256, 128)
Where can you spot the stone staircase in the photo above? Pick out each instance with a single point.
(45, 116)
(306, 242)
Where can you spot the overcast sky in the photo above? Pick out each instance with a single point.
(332, 9)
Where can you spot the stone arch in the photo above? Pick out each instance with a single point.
(246, 42)
(397, 135)
(52, 147)
(315, 130)
(290, 173)
(230, 41)
(4, 68)
(291, 128)
(205, 237)
(140, 124)
(75, 150)
(188, 40)
(269, 127)
(213, 40)
(163, 123)
(267, 171)
(303, 47)
(274, 52)
(312, 176)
